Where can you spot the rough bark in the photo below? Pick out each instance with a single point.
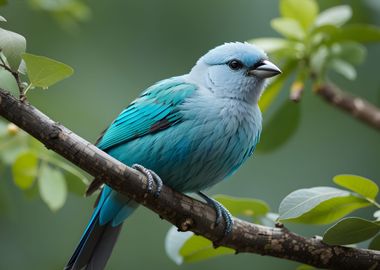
(356, 106)
(184, 212)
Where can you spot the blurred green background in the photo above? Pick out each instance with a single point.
(126, 46)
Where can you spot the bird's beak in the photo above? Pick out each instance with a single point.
(266, 69)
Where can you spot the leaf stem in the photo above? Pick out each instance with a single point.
(3, 64)
(14, 74)
(23, 93)
(374, 202)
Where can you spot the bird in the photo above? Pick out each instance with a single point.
(187, 132)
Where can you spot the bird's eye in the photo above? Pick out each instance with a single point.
(235, 64)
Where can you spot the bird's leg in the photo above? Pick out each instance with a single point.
(220, 211)
(151, 177)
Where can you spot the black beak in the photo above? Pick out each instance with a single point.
(265, 69)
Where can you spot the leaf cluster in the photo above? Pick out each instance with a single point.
(34, 168)
(314, 43)
(325, 205)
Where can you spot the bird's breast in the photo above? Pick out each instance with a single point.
(215, 141)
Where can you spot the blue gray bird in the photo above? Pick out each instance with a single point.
(191, 131)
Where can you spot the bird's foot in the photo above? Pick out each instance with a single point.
(151, 177)
(221, 212)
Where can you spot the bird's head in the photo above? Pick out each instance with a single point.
(235, 70)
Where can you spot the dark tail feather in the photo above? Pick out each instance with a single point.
(95, 246)
(103, 251)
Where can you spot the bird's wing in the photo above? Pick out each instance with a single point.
(154, 110)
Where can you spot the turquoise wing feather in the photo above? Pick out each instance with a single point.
(155, 109)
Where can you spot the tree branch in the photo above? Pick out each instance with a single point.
(184, 212)
(356, 106)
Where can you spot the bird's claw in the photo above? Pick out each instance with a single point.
(151, 177)
(220, 212)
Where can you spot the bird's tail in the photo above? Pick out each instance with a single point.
(96, 244)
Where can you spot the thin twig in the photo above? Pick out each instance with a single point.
(181, 210)
(16, 76)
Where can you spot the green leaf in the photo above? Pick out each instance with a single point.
(375, 243)
(304, 11)
(349, 51)
(361, 185)
(38, 147)
(278, 45)
(24, 169)
(319, 60)
(75, 183)
(197, 248)
(280, 127)
(44, 72)
(305, 267)
(272, 91)
(187, 247)
(362, 33)
(12, 46)
(343, 68)
(324, 31)
(280, 49)
(243, 206)
(331, 210)
(270, 45)
(318, 205)
(8, 82)
(52, 186)
(337, 16)
(3, 2)
(350, 231)
(288, 27)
